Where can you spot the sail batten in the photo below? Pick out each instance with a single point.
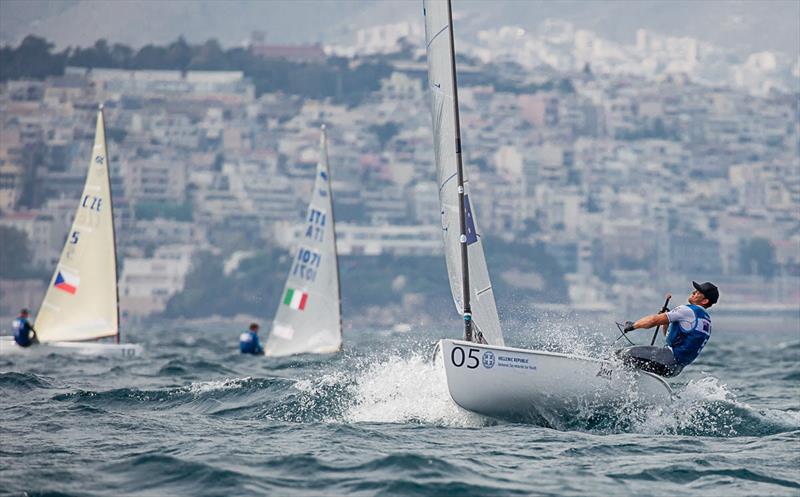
(81, 300)
(308, 319)
(446, 144)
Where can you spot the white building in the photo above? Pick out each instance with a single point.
(146, 284)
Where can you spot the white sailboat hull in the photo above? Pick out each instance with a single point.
(9, 348)
(518, 384)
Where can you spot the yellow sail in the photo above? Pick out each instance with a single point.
(81, 301)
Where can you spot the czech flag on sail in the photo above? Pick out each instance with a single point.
(67, 282)
(295, 299)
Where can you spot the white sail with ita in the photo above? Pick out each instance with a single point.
(309, 319)
(483, 375)
(81, 302)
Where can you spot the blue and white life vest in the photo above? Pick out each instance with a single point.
(249, 343)
(22, 332)
(686, 344)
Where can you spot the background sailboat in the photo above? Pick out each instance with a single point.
(483, 375)
(309, 316)
(81, 302)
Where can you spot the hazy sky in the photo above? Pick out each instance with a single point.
(745, 26)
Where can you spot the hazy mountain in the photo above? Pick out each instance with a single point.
(745, 26)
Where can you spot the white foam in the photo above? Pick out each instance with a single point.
(401, 390)
(201, 387)
(708, 407)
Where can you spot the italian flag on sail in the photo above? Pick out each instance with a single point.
(295, 299)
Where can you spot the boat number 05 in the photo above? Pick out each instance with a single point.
(458, 357)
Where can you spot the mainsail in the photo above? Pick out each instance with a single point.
(81, 301)
(309, 313)
(446, 143)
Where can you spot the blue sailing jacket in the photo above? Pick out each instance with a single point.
(686, 344)
(22, 331)
(249, 344)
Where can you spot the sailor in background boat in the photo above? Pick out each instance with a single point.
(689, 330)
(24, 334)
(248, 341)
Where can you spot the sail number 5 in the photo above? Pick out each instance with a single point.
(458, 357)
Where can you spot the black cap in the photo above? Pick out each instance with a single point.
(708, 289)
(23, 311)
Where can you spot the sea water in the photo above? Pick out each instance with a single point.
(192, 416)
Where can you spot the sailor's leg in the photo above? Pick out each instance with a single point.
(665, 357)
(647, 358)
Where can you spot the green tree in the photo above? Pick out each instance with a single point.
(523, 257)
(179, 54)
(164, 210)
(757, 256)
(121, 56)
(15, 252)
(33, 58)
(385, 132)
(253, 288)
(210, 57)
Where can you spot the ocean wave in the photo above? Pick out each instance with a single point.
(167, 398)
(686, 475)
(173, 475)
(13, 381)
(706, 407)
(179, 367)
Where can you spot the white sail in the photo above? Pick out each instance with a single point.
(442, 85)
(81, 301)
(309, 313)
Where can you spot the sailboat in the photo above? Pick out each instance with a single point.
(81, 302)
(484, 375)
(309, 315)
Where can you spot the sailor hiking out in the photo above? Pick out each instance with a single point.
(249, 343)
(689, 330)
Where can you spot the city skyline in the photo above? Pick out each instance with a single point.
(572, 142)
(744, 27)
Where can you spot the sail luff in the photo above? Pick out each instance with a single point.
(102, 123)
(468, 335)
(324, 148)
(469, 277)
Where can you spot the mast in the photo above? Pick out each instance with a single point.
(113, 228)
(465, 293)
(333, 228)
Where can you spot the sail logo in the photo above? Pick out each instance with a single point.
(322, 191)
(488, 359)
(99, 160)
(67, 282)
(285, 332)
(295, 299)
(472, 234)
